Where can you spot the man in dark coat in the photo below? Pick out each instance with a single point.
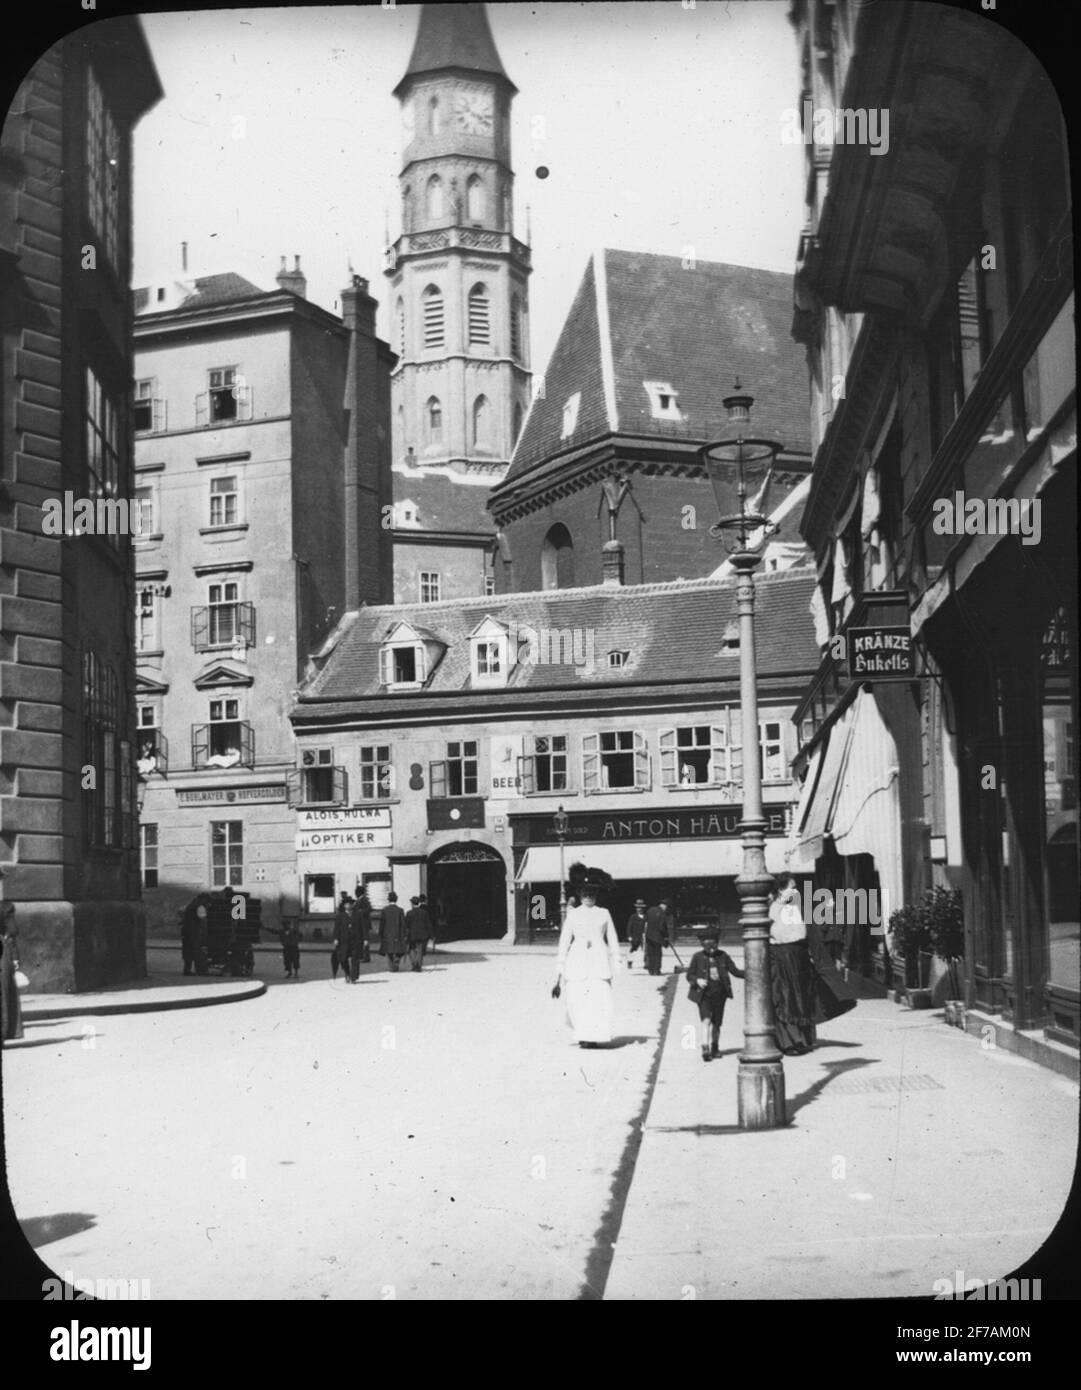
(418, 927)
(392, 934)
(711, 988)
(339, 955)
(360, 927)
(636, 926)
(658, 933)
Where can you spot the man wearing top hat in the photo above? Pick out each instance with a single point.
(659, 929)
(418, 928)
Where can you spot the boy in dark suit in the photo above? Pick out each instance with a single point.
(711, 989)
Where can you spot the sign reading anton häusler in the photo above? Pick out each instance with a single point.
(341, 827)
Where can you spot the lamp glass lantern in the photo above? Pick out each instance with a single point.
(740, 467)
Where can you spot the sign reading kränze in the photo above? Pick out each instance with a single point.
(880, 653)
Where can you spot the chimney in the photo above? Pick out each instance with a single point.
(368, 495)
(293, 280)
(612, 563)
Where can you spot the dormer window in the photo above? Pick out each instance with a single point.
(491, 654)
(570, 414)
(407, 657)
(662, 400)
(617, 660)
(730, 640)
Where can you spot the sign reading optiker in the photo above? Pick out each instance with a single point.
(880, 653)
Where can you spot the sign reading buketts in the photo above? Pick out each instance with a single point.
(344, 827)
(880, 654)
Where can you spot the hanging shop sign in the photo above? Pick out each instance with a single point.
(880, 653)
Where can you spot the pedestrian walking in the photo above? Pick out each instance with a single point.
(418, 928)
(711, 988)
(360, 927)
(392, 934)
(290, 939)
(636, 926)
(791, 975)
(339, 954)
(832, 995)
(588, 965)
(658, 932)
(193, 935)
(11, 1011)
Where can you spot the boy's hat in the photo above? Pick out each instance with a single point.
(711, 934)
(639, 902)
(414, 901)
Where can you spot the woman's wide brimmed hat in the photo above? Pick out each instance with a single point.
(591, 881)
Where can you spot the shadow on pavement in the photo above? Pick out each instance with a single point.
(42, 1230)
(835, 1069)
(21, 1044)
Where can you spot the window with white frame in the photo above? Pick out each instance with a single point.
(615, 758)
(146, 511)
(102, 439)
(222, 601)
(618, 659)
(546, 768)
(662, 400)
(695, 755)
(147, 619)
(103, 169)
(223, 401)
(403, 664)
(151, 748)
(771, 747)
(430, 586)
(458, 774)
(148, 412)
(488, 659)
(322, 782)
(491, 656)
(148, 855)
(224, 732)
(224, 500)
(376, 772)
(226, 853)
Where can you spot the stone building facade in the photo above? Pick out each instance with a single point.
(67, 698)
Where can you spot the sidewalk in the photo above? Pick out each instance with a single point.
(141, 996)
(912, 1152)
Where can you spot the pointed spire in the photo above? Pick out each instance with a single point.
(454, 38)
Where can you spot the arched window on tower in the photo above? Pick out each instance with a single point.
(433, 317)
(516, 327)
(517, 422)
(435, 117)
(480, 328)
(557, 559)
(399, 320)
(433, 421)
(482, 423)
(435, 197)
(401, 445)
(474, 199)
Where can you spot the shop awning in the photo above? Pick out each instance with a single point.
(663, 859)
(866, 816)
(817, 816)
(797, 860)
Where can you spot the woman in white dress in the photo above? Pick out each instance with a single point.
(588, 966)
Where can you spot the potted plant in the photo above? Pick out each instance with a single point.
(945, 919)
(908, 932)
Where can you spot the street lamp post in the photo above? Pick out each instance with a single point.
(561, 820)
(739, 469)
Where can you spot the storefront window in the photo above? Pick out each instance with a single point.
(319, 893)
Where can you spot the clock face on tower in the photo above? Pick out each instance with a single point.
(473, 112)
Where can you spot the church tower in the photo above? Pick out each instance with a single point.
(458, 277)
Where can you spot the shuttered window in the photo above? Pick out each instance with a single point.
(433, 318)
(480, 329)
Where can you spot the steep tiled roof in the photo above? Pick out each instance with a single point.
(453, 36)
(208, 290)
(695, 328)
(675, 634)
(442, 504)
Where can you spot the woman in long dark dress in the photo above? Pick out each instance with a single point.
(11, 1014)
(832, 996)
(792, 977)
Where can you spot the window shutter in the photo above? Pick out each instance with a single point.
(199, 744)
(641, 760)
(437, 779)
(245, 613)
(341, 786)
(242, 395)
(735, 746)
(161, 747)
(527, 782)
(669, 769)
(591, 762)
(158, 414)
(247, 745)
(292, 787)
(386, 666)
(422, 662)
(202, 408)
(718, 753)
(200, 628)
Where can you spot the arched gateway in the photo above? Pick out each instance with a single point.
(467, 892)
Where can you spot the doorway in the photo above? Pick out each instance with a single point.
(467, 892)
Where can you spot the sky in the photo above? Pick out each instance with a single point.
(659, 125)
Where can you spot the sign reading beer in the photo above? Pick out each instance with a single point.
(505, 750)
(880, 653)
